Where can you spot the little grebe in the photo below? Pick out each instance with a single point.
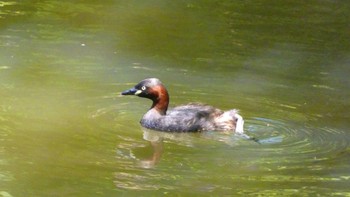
(192, 117)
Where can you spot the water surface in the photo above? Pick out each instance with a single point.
(66, 131)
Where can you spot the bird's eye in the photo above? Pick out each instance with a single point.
(143, 88)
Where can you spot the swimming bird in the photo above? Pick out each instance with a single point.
(193, 117)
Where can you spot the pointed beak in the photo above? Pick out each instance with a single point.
(132, 91)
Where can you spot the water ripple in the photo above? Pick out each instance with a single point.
(291, 152)
(298, 140)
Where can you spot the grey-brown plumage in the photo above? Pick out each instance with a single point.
(192, 117)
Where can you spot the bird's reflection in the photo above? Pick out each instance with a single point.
(156, 139)
(157, 144)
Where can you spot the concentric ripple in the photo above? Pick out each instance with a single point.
(298, 141)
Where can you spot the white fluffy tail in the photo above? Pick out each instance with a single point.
(230, 120)
(239, 124)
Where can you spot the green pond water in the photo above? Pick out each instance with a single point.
(66, 131)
